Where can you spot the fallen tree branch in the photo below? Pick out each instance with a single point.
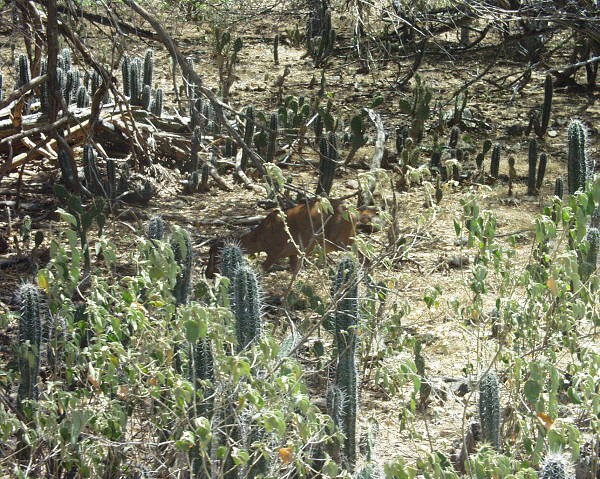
(19, 92)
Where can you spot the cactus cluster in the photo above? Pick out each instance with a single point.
(137, 83)
(489, 409)
(418, 109)
(272, 142)
(320, 34)
(30, 336)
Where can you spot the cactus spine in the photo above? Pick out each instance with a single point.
(156, 228)
(345, 289)
(30, 336)
(328, 163)
(541, 171)
(248, 135)
(181, 245)
(44, 103)
(495, 165)
(533, 157)
(576, 157)
(232, 258)
(489, 409)
(556, 467)
(135, 81)
(83, 99)
(90, 169)
(23, 69)
(246, 306)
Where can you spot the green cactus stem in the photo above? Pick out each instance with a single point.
(157, 103)
(273, 132)
(156, 228)
(146, 97)
(454, 135)
(2, 80)
(24, 73)
(148, 68)
(533, 157)
(276, 49)
(246, 306)
(90, 169)
(248, 135)
(558, 188)
(541, 124)
(345, 289)
(588, 265)
(541, 171)
(576, 157)
(126, 75)
(232, 258)
(30, 335)
(67, 59)
(44, 102)
(328, 164)
(181, 245)
(489, 409)
(195, 149)
(495, 165)
(135, 81)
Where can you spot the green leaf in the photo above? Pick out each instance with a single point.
(405, 107)
(68, 217)
(192, 331)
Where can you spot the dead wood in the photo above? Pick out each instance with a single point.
(379, 141)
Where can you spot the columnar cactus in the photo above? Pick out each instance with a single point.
(30, 335)
(495, 165)
(232, 258)
(588, 266)
(576, 157)
(136, 82)
(559, 187)
(276, 49)
(126, 74)
(246, 306)
(44, 102)
(156, 228)
(248, 135)
(83, 99)
(90, 169)
(320, 35)
(489, 409)
(273, 132)
(195, 148)
(24, 74)
(345, 289)
(146, 97)
(66, 56)
(556, 466)
(454, 134)
(1, 82)
(328, 163)
(541, 171)
(541, 125)
(111, 179)
(181, 245)
(148, 68)
(157, 103)
(533, 157)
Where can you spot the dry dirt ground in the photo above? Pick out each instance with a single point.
(450, 348)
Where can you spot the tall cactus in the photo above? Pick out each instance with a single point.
(90, 169)
(126, 74)
(136, 82)
(157, 103)
(533, 157)
(588, 265)
(495, 165)
(246, 306)
(146, 97)
(24, 74)
(148, 68)
(559, 187)
(328, 164)
(232, 258)
(541, 171)
(489, 409)
(1, 84)
(156, 228)
(556, 466)
(454, 135)
(83, 99)
(541, 124)
(181, 245)
(44, 102)
(576, 157)
(248, 135)
(273, 132)
(195, 149)
(30, 336)
(345, 289)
